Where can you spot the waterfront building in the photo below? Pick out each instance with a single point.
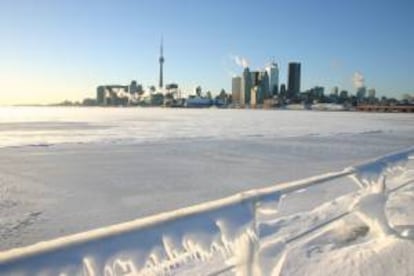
(283, 90)
(319, 92)
(112, 94)
(316, 94)
(254, 95)
(293, 88)
(100, 95)
(154, 99)
(133, 87)
(273, 73)
(246, 87)
(361, 93)
(264, 85)
(236, 87)
(343, 94)
(259, 94)
(371, 93)
(255, 75)
(198, 91)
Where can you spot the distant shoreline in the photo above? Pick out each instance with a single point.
(364, 108)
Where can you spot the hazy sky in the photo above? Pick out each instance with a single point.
(53, 50)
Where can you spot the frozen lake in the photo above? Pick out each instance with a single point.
(21, 126)
(65, 170)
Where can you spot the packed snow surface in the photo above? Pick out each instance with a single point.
(67, 170)
(54, 125)
(280, 230)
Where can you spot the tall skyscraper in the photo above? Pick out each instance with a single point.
(255, 78)
(293, 79)
(254, 95)
(273, 73)
(161, 60)
(282, 90)
(236, 85)
(264, 85)
(361, 92)
(246, 87)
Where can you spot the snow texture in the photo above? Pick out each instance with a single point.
(69, 170)
(251, 233)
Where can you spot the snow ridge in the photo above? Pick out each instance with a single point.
(257, 232)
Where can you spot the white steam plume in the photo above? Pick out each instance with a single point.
(241, 61)
(358, 80)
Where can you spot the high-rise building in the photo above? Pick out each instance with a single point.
(256, 97)
(236, 85)
(293, 79)
(335, 91)
(316, 93)
(273, 72)
(255, 76)
(100, 95)
(371, 93)
(361, 92)
(283, 91)
(343, 94)
(246, 87)
(253, 96)
(259, 94)
(133, 87)
(161, 60)
(264, 85)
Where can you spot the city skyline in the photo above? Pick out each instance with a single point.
(55, 51)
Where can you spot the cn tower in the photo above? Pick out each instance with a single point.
(161, 60)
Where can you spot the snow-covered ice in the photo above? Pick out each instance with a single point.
(21, 126)
(256, 232)
(67, 170)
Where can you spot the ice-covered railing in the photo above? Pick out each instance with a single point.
(249, 233)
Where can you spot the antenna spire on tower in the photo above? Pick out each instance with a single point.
(161, 60)
(162, 46)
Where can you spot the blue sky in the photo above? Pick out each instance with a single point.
(53, 50)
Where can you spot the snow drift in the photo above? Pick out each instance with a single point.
(250, 233)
